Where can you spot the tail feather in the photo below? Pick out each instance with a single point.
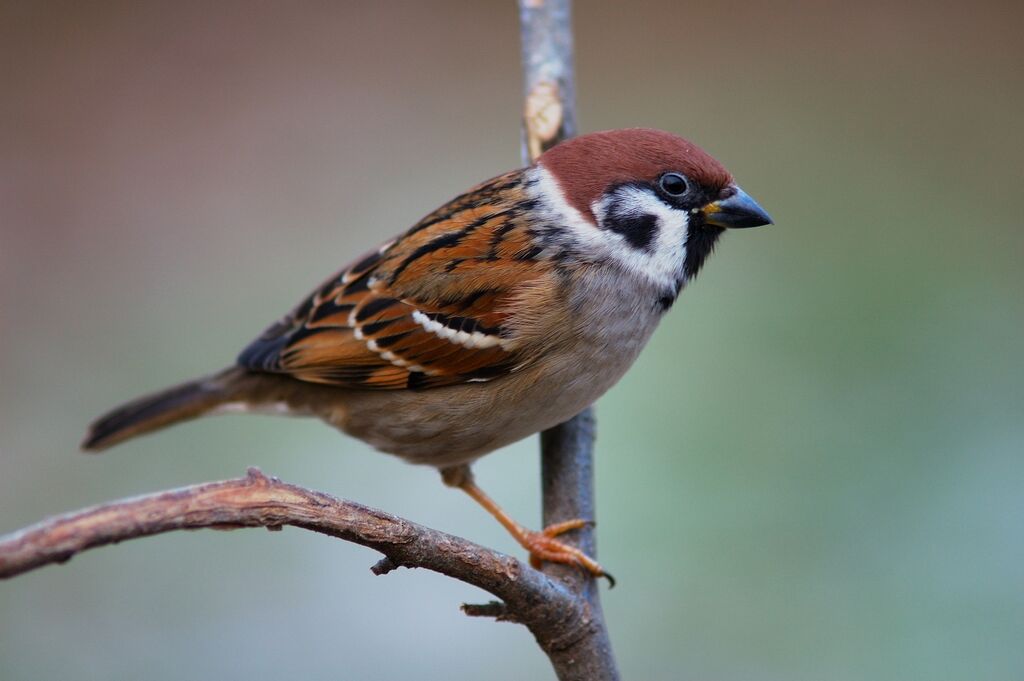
(161, 409)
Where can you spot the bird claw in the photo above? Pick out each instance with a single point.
(544, 547)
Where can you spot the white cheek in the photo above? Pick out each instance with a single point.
(662, 261)
(661, 264)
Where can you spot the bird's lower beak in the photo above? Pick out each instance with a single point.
(739, 210)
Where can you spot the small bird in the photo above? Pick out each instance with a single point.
(504, 312)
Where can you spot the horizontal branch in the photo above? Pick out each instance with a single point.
(557, 618)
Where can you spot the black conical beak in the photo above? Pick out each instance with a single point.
(737, 211)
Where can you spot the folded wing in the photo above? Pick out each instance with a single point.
(440, 305)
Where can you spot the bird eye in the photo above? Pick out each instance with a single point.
(673, 184)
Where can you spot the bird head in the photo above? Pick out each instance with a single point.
(648, 201)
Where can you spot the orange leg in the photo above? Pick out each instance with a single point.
(543, 546)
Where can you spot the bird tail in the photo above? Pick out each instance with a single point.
(164, 408)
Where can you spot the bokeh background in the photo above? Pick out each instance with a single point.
(814, 472)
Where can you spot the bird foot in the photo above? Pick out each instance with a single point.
(543, 546)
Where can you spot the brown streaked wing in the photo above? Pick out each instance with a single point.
(431, 308)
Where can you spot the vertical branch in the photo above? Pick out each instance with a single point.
(549, 114)
(567, 468)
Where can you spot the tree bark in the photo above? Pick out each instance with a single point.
(550, 610)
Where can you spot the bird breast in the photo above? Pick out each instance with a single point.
(592, 338)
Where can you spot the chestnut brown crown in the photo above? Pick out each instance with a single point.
(587, 166)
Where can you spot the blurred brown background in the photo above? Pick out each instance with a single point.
(814, 472)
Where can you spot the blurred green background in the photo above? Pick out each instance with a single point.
(814, 472)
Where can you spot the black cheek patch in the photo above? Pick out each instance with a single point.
(638, 230)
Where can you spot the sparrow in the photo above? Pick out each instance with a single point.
(506, 311)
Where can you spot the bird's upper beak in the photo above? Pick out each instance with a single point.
(738, 210)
